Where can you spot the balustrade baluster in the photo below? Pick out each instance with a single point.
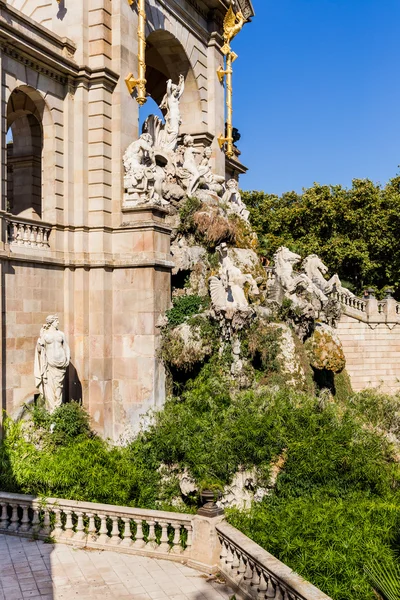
(262, 586)
(164, 546)
(45, 237)
(36, 519)
(80, 528)
(25, 520)
(236, 560)
(271, 588)
(229, 556)
(242, 565)
(103, 531)
(152, 534)
(21, 233)
(46, 528)
(255, 582)
(115, 539)
(224, 550)
(39, 239)
(27, 235)
(127, 535)
(249, 571)
(176, 542)
(92, 531)
(14, 232)
(57, 531)
(32, 238)
(139, 538)
(14, 520)
(4, 516)
(69, 531)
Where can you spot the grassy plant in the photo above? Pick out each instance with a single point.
(385, 580)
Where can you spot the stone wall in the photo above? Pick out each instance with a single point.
(372, 354)
(30, 293)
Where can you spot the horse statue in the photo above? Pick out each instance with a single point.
(315, 270)
(294, 283)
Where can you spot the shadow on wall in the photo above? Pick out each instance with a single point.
(72, 386)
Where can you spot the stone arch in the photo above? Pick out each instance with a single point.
(166, 59)
(30, 156)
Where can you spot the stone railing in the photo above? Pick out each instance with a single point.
(369, 309)
(27, 233)
(174, 536)
(256, 574)
(203, 542)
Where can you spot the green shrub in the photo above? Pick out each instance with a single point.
(185, 307)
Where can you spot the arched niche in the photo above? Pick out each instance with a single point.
(166, 59)
(30, 154)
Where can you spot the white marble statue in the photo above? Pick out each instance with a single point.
(211, 181)
(52, 357)
(173, 120)
(191, 173)
(234, 200)
(143, 179)
(315, 270)
(227, 290)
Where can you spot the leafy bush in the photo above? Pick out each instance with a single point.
(66, 423)
(185, 307)
(334, 507)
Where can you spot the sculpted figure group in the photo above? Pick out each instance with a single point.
(157, 166)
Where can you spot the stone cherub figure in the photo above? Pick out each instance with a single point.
(52, 357)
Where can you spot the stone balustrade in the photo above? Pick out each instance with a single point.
(256, 574)
(27, 233)
(97, 525)
(203, 542)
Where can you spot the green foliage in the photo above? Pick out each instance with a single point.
(186, 213)
(66, 423)
(262, 344)
(354, 231)
(185, 307)
(385, 580)
(334, 506)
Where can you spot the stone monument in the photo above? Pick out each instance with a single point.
(52, 357)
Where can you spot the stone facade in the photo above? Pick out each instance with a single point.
(372, 354)
(67, 245)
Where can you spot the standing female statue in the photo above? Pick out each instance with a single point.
(52, 358)
(170, 104)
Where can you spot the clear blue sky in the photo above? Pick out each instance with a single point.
(317, 92)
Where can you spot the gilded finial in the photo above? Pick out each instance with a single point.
(233, 23)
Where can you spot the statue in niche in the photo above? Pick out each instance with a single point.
(52, 357)
(228, 290)
(143, 179)
(173, 120)
(234, 200)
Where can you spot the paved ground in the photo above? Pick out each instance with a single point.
(32, 569)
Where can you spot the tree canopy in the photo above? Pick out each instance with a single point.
(354, 231)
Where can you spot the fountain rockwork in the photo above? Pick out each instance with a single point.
(81, 236)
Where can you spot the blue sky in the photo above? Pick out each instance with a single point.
(317, 93)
